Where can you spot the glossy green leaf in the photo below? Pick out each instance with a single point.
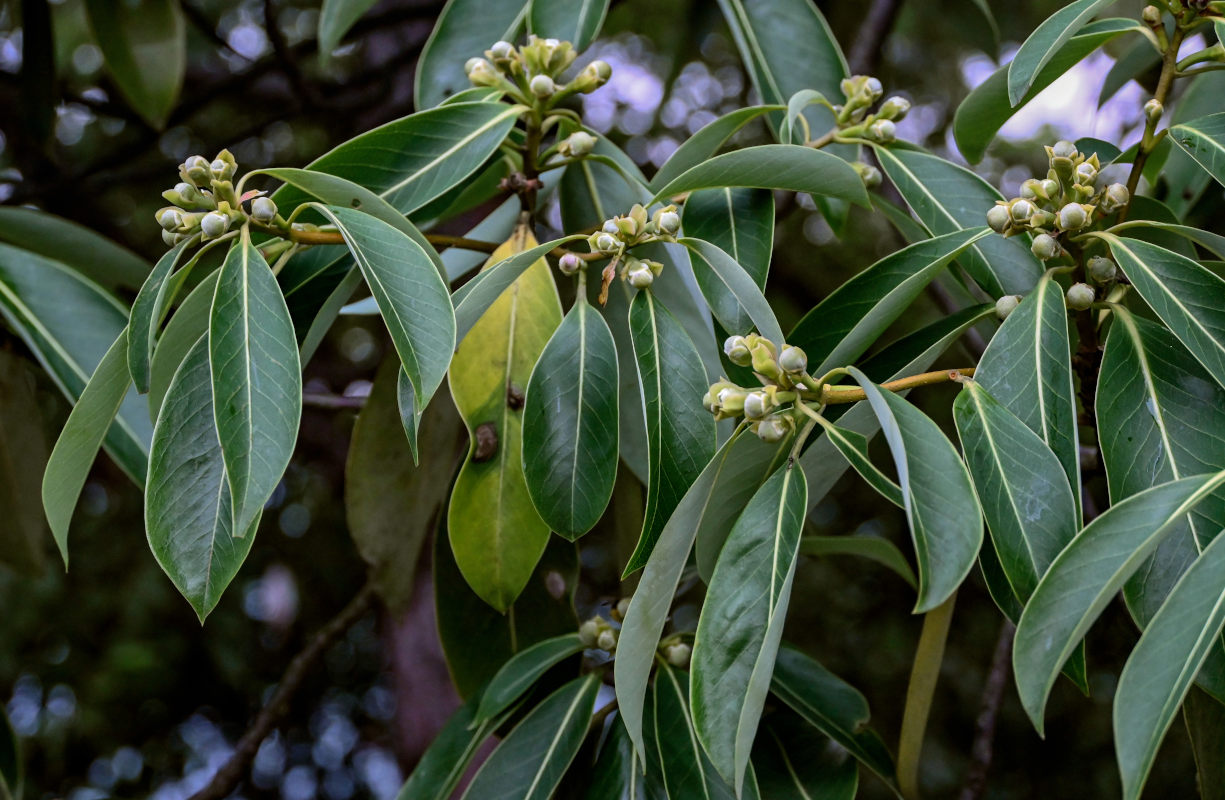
(257, 379)
(335, 19)
(1185, 295)
(1027, 368)
(1029, 507)
(445, 761)
(574, 21)
(680, 433)
(854, 448)
(706, 142)
(617, 774)
(530, 761)
(941, 507)
(69, 323)
(792, 130)
(497, 551)
(591, 191)
(1087, 574)
(1200, 98)
(848, 321)
(187, 501)
(793, 761)
(742, 621)
(189, 323)
(1204, 140)
(738, 221)
(946, 198)
(1045, 41)
(882, 551)
(465, 29)
(147, 309)
(96, 257)
(833, 706)
(735, 298)
(79, 441)
(522, 671)
(145, 49)
(987, 108)
(774, 166)
(687, 772)
(23, 457)
(570, 423)
(1212, 242)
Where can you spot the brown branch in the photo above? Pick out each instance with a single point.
(872, 32)
(227, 778)
(984, 728)
(833, 395)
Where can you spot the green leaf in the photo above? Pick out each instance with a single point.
(680, 433)
(155, 294)
(687, 772)
(742, 621)
(187, 500)
(706, 142)
(23, 457)
(497, 551)
(570, 423)
(522, 671)
(1185, 295)
(1201, 97)
(847, 322)
(834, 707)
(530, 761)
(740, 222)
(793, 761)
(1045, 41)
(1029, 507)
(1210, 241)
(574, 21)
(464, 30)
(391, 506)
(96, 257)
(1204, 140)
(187, 325)
(947, 198)
(145, 48)
(618, 774)
(335, 19)
(83, 433)
(854, 448)
(1161, 668)
(1087, 574)
(774, 166)
(734, 297)
(1027, 368)
(257, 379)
(69, 323)
(882, 551)
(591, 191)
(788, 131)
(987, 108)
(941, 507)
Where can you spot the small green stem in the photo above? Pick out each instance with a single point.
(923, 677)
(1169, 63)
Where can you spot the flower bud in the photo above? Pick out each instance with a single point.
(1153, 110)
(1050, 189)
(999, 218)
(214, 224)
(1114, 197)
(588, 632)
(607, 640)
(1101, 269)
(869, 174)
(592, 77)
(1021, 210)
(1151, 16)
(195, 169)
(481, 73)
(188, 192)
(1086, 173)
(678, 655)
(1080, 296)
(793, 360)
(656, 267)
(895, 108)
(669, 222)
(756, 405)
(579, 143)
(222, 170)
(1064, 149)
(569, 264)
(170, 218)
(640, 277)
(263, 210)
(502, 51)
(764, 357)
(883, 130)
(774, 428)
(542, 86)
(1073, 217)
(1032, 189)
(606, 243)
(729, 401)
(1045, 247)
(737, 351)
(627, 227)
(1006, 305)
(170, 237)
(623, 607)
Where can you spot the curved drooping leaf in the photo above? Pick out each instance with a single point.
(1045, 41)
(739, 221)
(987, 108)
(257, 379)
(574, 21)
(496, 552)
(188, 513)
(706, 142)
(189, 323)
(1027, 368)
(834, 707)
(1029, 507)
(1212, 242)
(874, 548)
(793, 761)
(94, 256)
(742, 621)
(83, 433)
(145, 50)
(465, 29)
(854, 448)
(687, 772)
(530, 761)
(1087, 574)
(946, 198)
(734, 297)
(523, 670)
(774, 166)
(794, 126)
(147, 310)
(1161, 668)
(680, 433)
(570, 423)
(1204, 140)
(69, 323)
(617, 773)
(941, 507)
(1184, 294)
(847, 322)
(335, 19)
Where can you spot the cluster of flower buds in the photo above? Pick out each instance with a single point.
(205, 202)
(599, 633)
(532, 72)
(632, 229)
(769, 408)
(861, 93)
(1067, 200)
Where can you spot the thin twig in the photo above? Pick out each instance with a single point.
(832, 395)
(227, 778)
(983, 749)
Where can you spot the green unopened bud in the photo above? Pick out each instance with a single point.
(1101, 269)
(999, 218)
(481, 73)
(1032, 190)
(214, 224)
(1006, 305)
(592, 77)
(569, 264)
(169, 218)
(1064, 149)
(606, 243)
(883, 130)
(502, 51)
(589, 632)
(263, 210)
(623, 607)
(1050, 189)
(678, 655)
(640, 277)
(869, 174)
(1114, 197)
(730, 401)
(1080, 296)
(737, 351)
(542, 86)
(793, 360)
(669, 222)
(628, 227)
(607, 640)
(873, 89)
(1151, 16)
(895, 108)
(1086, 173)
(195, 169)
(1021, 210)
(189, 193)
(765, 358)
(775, 428)
(1073, 217)
(579, 143)
(756, 405)
(1153, 110)
(1045, 247)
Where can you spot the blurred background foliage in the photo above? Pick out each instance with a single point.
(114, 688)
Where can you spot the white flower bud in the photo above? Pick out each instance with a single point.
(793, 360)
(607, 640)
(737, 351)
(640, 277)
(263, 209)
(502, 50)
(1006, 305)
(1031, 189)
(605, 243)
(756, 405)
(1050, 188)
(774, 428)
(1073, 217)
(895, 108)
(669, 222)
(883, 130)
(588, 632)
(1114, 198)
(874, 89)
(1153, 110)
(678, 655)
(1045, 247)
(580, 143)
(623, 607)
(998, 218)
(731, 400)
(610, 226)
(1064, 149)
(1021, 210)
(1086, 173)
(1101, 269)
(1080, 296)
(1151, 16)
(481, 73)
(170, 218)
(188, 192)
(569, 264)
(542, 86)
(214, 224)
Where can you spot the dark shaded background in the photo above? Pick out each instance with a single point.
(113, 685)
